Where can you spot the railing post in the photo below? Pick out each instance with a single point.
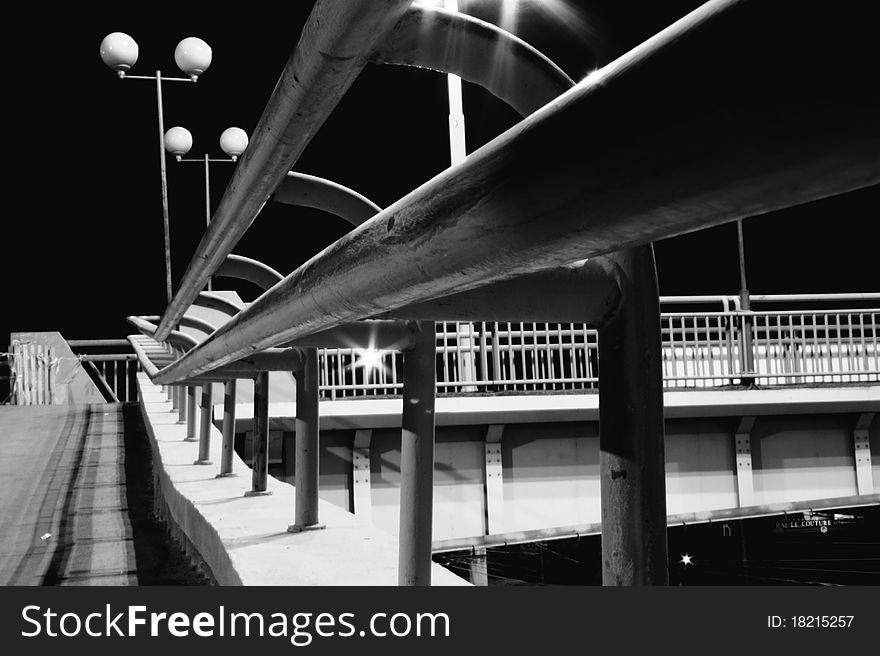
(50, 376)
(747, 354)
(207, 406)
(307, 445)
(631, 458)
(191, 404)
(228, 447)
(260, 464)
(417, 456)
(180, 395)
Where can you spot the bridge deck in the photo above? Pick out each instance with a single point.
(244, 539)
(62, 497)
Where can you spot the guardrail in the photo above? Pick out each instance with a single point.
(115, 375)
(700, 349)
(33, 369)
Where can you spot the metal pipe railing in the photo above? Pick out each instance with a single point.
(698, 350)
(537, 196)
(336, 42)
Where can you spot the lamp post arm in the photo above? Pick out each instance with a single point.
(123, 76)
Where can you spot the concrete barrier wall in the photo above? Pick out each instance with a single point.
(244, 540)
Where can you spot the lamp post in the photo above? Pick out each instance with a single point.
(747, 360)
(193, 56)
(233, 142)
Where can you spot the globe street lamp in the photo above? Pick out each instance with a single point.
(233, 142)
(193, 56)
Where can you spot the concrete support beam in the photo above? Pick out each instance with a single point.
(862, 449)
(336, 42)
(547, 192)
(494, 481)
(744, 484)
(228, 448)
(362, 498)
(417, 457)
(207, 410)
(631, 434)
(307, 445)
(260, 464)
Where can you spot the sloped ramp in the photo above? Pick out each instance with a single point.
(64, 501)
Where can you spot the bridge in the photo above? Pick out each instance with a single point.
(431, 381)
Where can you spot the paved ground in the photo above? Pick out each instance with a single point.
(64, 502)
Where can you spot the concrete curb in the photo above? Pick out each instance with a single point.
(244, 540)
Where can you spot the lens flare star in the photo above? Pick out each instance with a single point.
(686, 559)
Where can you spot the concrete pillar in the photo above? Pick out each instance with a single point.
(307, 445)
(191, 404)
(206, 406)
(260, 464)
(631, 442)
(228, 447)
(417, 456)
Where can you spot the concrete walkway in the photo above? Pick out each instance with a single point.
(62, 497)
(244, 540)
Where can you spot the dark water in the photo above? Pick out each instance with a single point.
(160, 560)
(779, 550)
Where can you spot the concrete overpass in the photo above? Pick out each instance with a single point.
(500, 237)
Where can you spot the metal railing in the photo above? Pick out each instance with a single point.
(114, 374)
(700, 349)
(38, 375)
(32, 374)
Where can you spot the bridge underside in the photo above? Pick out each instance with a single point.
(533, 472)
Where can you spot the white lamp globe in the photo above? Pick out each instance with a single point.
(193, 56)
(119, 51)
(233, 141)
(178, 141)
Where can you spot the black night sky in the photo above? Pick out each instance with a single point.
(82, 238)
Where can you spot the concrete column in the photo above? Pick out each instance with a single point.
(417, 456)
(631, 460)
(494, 481)
(206, 406)
(862, 449)
(228, 447)
(744, 485)
(260, 464)
(360, 464)
(191, 404)
(307, 445)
